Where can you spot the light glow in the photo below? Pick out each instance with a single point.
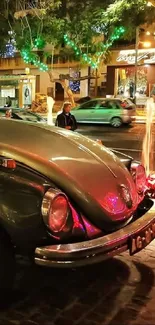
(150, 4)
(147, 152)
(50, 104)
(147, 44)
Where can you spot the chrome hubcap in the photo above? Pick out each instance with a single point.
(116, 122)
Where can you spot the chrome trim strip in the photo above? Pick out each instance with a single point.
(99, 246)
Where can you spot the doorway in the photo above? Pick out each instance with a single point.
(59, 92)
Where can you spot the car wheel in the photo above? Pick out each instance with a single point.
(116, 122)
(7, 267)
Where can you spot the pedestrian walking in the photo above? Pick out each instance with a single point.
(65, 119)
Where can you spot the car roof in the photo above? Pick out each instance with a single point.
(37, 142)
(16, 110)
(60, 155)
(28, 146)
(104, 98)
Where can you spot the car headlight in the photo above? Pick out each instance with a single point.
(55, 210)
(139, 176)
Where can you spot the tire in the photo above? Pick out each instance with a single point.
(116, 122)
(7, 266)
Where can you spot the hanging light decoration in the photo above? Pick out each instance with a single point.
(118, 32)
(31, 57)
(10, 51)
(39, 43)
(10, 48)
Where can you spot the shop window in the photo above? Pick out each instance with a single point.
(126, 82)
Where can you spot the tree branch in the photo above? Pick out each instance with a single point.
(69, 78)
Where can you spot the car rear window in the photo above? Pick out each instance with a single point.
(126, 104)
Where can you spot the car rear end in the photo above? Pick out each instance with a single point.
(128, 110)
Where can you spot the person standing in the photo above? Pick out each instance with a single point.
(65, 119)
(8, 102)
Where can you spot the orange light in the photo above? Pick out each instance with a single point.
(147, 44)
(150, 4)
(99, 141)
(8, 163)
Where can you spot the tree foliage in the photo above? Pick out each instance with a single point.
(84, 21)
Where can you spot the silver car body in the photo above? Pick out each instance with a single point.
(92, 177)
(103, 111)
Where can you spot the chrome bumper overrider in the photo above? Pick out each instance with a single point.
(95, 250)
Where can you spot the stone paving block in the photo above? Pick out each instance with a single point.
(8, 322)
(76, 311)
(88, 322)
(63, 321)
(95, 317)
(116, 292)
(27, 322)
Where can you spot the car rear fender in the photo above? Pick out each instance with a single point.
(20, 205)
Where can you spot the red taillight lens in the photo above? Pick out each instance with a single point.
(8, 163)
(139, 177)
(124, 105)
(55, 210)
(58, 213)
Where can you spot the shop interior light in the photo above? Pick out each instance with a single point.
(147, 44)
(150, 4)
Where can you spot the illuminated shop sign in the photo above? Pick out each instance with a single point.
(130, 56)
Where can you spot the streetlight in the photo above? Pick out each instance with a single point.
(149, 4)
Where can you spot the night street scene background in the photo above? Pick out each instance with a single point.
(77, 221)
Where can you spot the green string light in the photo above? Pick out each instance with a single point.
(118, 32)
(30, 57)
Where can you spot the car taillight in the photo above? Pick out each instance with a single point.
(124, 105)
(139, 177)
(55, 210)
(8, 163)
(58, 213)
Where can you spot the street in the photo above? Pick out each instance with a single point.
(127, 139)
(118, 291)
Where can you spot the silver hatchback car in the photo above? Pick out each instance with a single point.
(109, 111)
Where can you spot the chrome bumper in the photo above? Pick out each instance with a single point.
(95, 250)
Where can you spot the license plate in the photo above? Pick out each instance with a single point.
(142, 239)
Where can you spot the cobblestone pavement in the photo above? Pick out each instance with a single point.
(120, 291)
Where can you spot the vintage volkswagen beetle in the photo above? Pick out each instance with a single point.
(67, 201)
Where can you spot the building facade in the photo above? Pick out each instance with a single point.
(121, 73)
(13, 71)
(116, 79)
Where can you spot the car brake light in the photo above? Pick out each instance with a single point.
(55, 210)
(139, 177)
(58, 213)
(8, 163)
(124, 105)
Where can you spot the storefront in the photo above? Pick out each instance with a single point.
(121, 73)
(19, 88)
